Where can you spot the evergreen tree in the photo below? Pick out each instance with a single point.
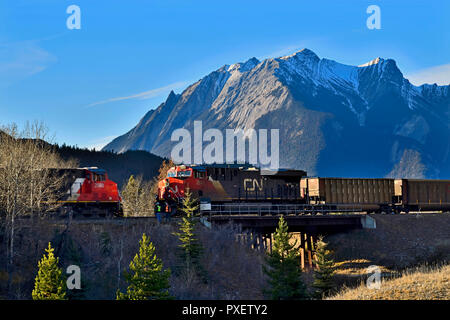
(49, 283)
(147, 279)
(323, 275)
(191, 249)
(283, 268)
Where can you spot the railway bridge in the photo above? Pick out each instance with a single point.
(258, 227)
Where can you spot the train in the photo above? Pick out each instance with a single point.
(87, 192)
(246, 184)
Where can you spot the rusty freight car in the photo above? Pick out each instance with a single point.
(360, 194)
(421, 194)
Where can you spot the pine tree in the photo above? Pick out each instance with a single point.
(323, 275)
(191, 249)
(283, 267)
(147, 279)
(49, 283)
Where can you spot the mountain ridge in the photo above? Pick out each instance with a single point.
(324, 109)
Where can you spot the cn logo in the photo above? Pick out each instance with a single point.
(253, 184)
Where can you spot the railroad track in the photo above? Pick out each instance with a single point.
(216, 215)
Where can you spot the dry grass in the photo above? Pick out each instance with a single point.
(399, 242)
(356, 267)
(423, 283)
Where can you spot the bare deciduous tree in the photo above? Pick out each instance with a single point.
(137, 197)
(27, 186)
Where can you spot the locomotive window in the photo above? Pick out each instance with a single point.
(97, 178)
(184, 173)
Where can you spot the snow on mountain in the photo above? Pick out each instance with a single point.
(333, 118)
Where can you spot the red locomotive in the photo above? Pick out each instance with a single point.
(231, 183)
(89, 192)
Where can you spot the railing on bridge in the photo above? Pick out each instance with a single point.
(276, 209)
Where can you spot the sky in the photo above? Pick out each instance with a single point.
(92, 84)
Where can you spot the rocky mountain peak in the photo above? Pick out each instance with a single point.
(334, 119)
(302, 55)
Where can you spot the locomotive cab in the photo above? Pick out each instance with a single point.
(178, 180)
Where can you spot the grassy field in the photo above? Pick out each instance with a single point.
(423, 283)
(398, 243)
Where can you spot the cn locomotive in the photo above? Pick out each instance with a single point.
(88, 192)
(224, 184)
(231, 183)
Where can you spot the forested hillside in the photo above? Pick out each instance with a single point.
(119, 166)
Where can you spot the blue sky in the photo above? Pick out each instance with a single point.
(93, 84)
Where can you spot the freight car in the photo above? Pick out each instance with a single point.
(420, 194)
(377, 195)
(88, 192)
(360, 194)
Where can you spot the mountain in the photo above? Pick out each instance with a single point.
(334, 119)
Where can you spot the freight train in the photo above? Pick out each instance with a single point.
(225, 184)
(87, 192)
